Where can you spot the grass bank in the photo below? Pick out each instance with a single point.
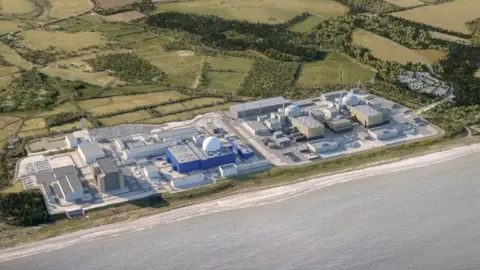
(10, 236)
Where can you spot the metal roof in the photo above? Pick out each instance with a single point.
(308, 121)
(45, 177)
(254, 105)
(107, 165)
(183, 153)
(257, 126)
(367, 110)
(68, 179)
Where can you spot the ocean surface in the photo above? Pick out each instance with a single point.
(424, 218)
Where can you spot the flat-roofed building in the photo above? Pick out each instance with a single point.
(339, 124)
(383, 133)
(308, 126)
(330, 112)
(257, 128)
(331, 96)
(151, 171)
(71, 141)
(70, 184)
(273, 124)
(367, 116)
(108, 176)
(322, 146)
(228, 170)
(90, 151)
(259, 107)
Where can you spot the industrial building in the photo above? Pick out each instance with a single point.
(339, 124)
(257, 128)
(273, 124)
(228, 170)
(308, 126)
(189, 157)
(332, 96)
(90, 151)
(64, 181)
(254, 108)
(330, 112)
(243, 151)
(322, 146)
(108, 177)
(280, 139)
(151, 171)
(71, 141)
(383, 133)
(367, 116)
(293, 111)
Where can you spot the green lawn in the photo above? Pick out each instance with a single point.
(330, 69)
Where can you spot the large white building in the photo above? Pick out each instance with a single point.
(90, 151)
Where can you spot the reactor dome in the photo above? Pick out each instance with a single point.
(293, 111)
(211, 144)
(350, 100)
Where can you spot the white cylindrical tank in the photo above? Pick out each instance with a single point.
(350, 100)
(293, 111)
(211, 144)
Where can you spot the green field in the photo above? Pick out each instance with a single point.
(68, 127)
(307, 24)
(135, 37)
(239, 64)
(330, 69)
(66, 107)
(175, 107)
(195, 103)
(37, 132)
(265, 11)
(224, 81)
(125, 118)
(95, 23)
(91, 92)
(9, 129)
(32, 124)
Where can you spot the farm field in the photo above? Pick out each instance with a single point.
(13, 58)
(191, 104)
(7, 120)
(5, 80)
(68, 127)
(43, 131)
(181, 64)
(66, 8)
(95, 78)
(307, 24)
(10, 26)
(265, 11)
(328, 71)
(451, 15)
(175, 107)
(431, 55)
(17, 6)
(124, 16)
(65, 107)
(405, 3)
(32, 124)
(36, 39)
(91, 92)
(7, 130)
(230, 63)
(185, 115)
(125, 118)
(128, 102)
(443, 36)
(385, 49)
(113, 3)
(224, 81)
(16, 187)
(95, 23)
(135, 37)
(7, 70)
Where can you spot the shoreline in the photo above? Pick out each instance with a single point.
(232, 202)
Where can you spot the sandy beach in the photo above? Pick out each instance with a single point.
(228, 203)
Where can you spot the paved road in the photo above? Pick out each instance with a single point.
(423, 218)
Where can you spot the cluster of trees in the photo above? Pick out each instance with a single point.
(268, 78)
(297, 19)
(453, 118)
(474, 27)
(32, 90)
(273, 40)
(4, 62)
(39, 57)
(144, 6)
(127, 66)
(459, 67)
(25, 208)
(369, 6)
(63, 118)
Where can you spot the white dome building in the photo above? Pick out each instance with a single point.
(211, 144)
(293, 111)
(350, 100)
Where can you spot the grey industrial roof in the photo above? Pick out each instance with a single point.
(91, 149)
(45, 177)
(303, 103)
(183, 153)
(308, 121)
(339, 120)
(367, 110)
(256, 125)
(107, 165)
(254, 105)
(120, 131)
(335, 94)
(176, 132)
(323, 143)
(71, 138)
(68, 179)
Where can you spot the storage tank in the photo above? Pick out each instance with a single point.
(293, 111)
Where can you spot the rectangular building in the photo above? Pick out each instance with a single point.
(188, 157)
(339, 124)
(243, 151)
(322, 146)
(70, 184)
(256, 128)
(308, 126)
(367, 116)
(71, 141)
(259, 107)
(90, 151)
(108, 176)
